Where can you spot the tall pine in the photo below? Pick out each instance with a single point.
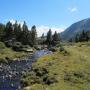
(33, 35)
(49, 38)
(56, 38)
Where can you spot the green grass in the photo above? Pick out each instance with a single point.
(72, 71)
(9, 53)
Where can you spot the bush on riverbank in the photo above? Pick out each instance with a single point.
(38, 75)
(7, 54)
(3, 60)
(64, 51)
(17, 46)
(2, 45)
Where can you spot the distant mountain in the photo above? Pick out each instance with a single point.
(75, 28)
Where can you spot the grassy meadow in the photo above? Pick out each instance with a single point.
(7, 54)
(69, 70)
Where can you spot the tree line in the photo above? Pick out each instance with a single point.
(81, 36)
(17, 33)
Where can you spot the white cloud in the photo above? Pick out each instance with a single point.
(12, 21)
(44, 29)
(19, 22)
(74, 9)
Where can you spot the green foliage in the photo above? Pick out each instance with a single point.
(52, 40)
(2, 33)
(38, 75)
(64, 51)
(49, 37)
(83, 36)
(11, 33)
(56, 38)
(72, 71)
(3, 60)
(17, 46)
(2, 45)
(53, 49)
(24, 38)
(33, 35)
(77, 77)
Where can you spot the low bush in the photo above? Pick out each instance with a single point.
(40, 71)
(53, 49)
(2, 45)
(17, 46)
(3, 60)
(38, 75)
(77, 77)
(49, 79)
(8, 43)
(64, 51)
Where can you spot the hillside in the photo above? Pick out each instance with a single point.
(75, 28)
(71, 70)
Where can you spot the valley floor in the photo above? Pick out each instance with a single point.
(72, 70)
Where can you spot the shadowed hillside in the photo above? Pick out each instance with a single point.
(75, 28)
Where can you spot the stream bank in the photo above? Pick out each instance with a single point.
(10, 74)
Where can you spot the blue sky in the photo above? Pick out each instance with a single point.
(55, 14)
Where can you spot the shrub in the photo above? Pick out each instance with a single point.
(9, 43)
(24, 83)
(53, 49)
(39, 75)
(3, 61)
(49, 79)
(2, 45)
(40, 71)
(17, 46)
(62, 49)
(77, 77)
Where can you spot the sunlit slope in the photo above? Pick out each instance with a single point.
(72, 70)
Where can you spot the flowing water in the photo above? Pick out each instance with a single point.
(10, 74)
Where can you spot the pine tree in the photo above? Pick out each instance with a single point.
(24, 34)
(2, 32)
(42, 41)
(56, 38)
(77, 37)
(42, 36)
(83, 36)
(16, 30)
(9, 31)
(49, 38)
(33, 35)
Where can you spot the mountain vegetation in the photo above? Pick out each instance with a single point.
(75, 28)
(65, 69)
(83, 36)
(11, 33)
(17, 38)
(14, 32)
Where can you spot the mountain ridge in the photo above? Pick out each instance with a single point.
(75, 28)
